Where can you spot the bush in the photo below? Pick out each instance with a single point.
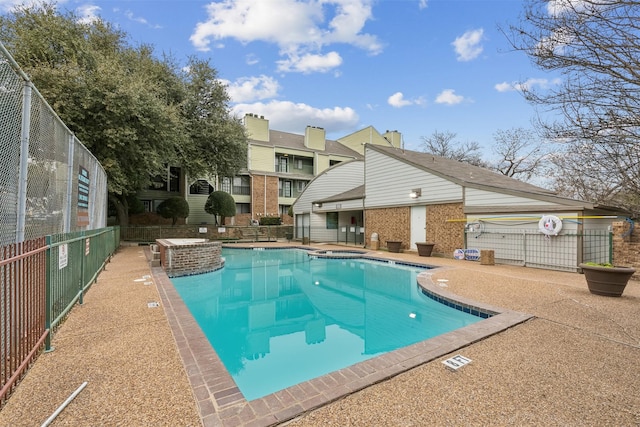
(270, 220)
(220, 203)
(174, 208)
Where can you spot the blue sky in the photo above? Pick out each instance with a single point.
(415, 66)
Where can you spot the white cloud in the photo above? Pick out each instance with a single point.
(527, 85)
(449, 97)
(397, 100)
(139, 19)
(468, 46)
(88, 13)
(252, 59)
(422, 4)
(300, 28)
(558, 7)
(7, 5)
(248, 89)
(295, 117)
(310, 63)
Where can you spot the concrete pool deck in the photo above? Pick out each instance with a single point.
(574, 363)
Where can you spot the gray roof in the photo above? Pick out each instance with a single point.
(353, 194)
(294, 141)
(460, 172)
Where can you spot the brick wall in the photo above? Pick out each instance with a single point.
(626, 250)
(448, 236)
(395, 224)
(190, 258)
(390, 224)
(264, 196)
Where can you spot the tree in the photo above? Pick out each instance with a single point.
(594, 45)
(220, 203)
(521, 155)
(442, 144)
(174, 208)
(135, 112)
(218, 141)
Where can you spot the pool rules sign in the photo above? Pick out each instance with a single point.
(83, 197)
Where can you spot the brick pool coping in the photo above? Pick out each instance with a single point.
(220, 402)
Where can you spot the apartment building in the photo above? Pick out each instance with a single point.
(279, 166)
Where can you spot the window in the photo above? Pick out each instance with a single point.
(301, 185)
(283, 164)
(226, 184)
(285, 188)
(298, 163)
(201, 186)
(243, 208)
(332, 220)
(148, 204)
(242, 185)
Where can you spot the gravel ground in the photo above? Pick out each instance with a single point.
(575, 364)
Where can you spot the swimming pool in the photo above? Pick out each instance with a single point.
(280, 317)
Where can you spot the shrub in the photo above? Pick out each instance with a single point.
(174, 208)
(220, 203)
(270, 220)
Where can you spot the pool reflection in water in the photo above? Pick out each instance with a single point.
(278, 317)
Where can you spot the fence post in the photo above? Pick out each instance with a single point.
(48, 284)
(67, 222)
(81, 280)
(24, 162)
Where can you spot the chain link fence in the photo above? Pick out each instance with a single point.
(49, 182)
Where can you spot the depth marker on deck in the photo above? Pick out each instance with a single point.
(456, 362)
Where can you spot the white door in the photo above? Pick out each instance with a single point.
(418, 225)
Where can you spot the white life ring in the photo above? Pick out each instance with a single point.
(550, 225)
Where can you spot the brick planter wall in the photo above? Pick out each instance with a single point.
(185, 258)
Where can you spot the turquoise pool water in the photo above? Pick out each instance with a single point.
(280, 317)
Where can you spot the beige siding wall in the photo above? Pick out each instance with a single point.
(257, 127)
(339, 179)
(389, 182)
(476, 197)
(262, 158)
(357, 140)
(197, 215)
(314, 138)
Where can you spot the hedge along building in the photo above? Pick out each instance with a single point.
(414, 197)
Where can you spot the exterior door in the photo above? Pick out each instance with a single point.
(418, 225)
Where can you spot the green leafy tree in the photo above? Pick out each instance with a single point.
(174, 208)
(135, 112)
(220, 203)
